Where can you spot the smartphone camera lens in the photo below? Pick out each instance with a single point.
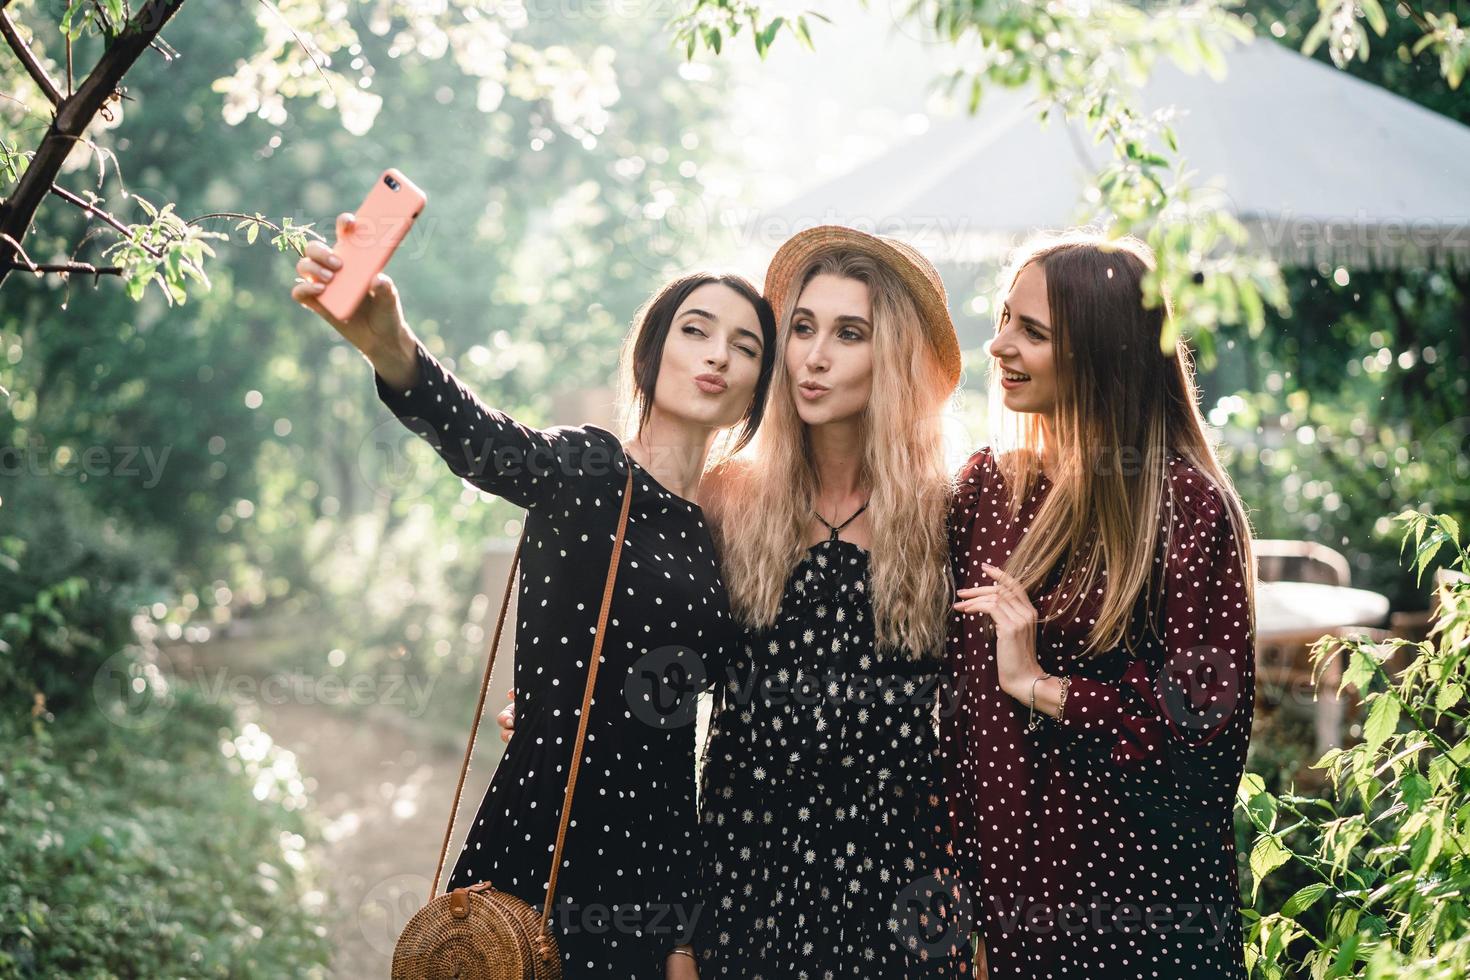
(390, 182)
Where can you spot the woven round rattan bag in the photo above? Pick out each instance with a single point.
(476, 933)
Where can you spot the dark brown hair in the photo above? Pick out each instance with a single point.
(652, 324)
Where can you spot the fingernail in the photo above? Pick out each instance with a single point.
(327, 274)
(334, 262)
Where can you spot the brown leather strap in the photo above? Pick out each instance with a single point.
(607, 592)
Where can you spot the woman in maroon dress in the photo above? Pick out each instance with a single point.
(1103, 641)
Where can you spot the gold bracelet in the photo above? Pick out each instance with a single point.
(1066, 683)
(687, 952)
(1032, 721)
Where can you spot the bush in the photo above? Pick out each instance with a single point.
(143, 833)
(1385, 847)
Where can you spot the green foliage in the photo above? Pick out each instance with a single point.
(114, 857)
(1340, 25)
(146, 854)
(707, 25)
(1384, 847)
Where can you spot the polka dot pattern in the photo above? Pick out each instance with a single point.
(1102, 846)
(625, 890)
(821, 822)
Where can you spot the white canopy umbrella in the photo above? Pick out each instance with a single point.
(1318, 165)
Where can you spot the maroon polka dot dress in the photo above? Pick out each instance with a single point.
(1102, 845)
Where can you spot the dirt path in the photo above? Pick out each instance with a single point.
(381, 788)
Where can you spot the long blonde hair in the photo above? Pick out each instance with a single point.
(763, 515)
(1123, 405)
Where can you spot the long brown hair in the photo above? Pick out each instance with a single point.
(1124, 405)
(762, 518)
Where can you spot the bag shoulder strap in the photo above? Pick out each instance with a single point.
(607, 593)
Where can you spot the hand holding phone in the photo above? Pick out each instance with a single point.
(384, 219)
(344, 284)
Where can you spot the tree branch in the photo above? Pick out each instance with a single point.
(28, 58)
(70, 267)
(71, 121)
(1416, 16)
(92, 209)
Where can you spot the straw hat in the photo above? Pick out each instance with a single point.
(916, 272)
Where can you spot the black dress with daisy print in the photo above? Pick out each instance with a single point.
(625, 890)
(824, 841)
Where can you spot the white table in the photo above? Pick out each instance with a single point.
(1300, 613)
(1286, 610)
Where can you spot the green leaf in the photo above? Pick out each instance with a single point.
(1414, 789)
(1426, 845)
(1266, 856)
(1304, 899)
(1359, 672)
(804, 34)
(1382, 720)
(1317, 34)
(1376, 18)
(1449, 695)
(66, 20)
(765, 38)
(1427, 551)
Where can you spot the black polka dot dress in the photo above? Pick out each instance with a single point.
(625, 890)
(825, 843)
(1102, 845)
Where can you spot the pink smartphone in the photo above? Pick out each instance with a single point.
(384, 219)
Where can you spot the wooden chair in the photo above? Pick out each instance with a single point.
(1286, 560)
(1283, 666)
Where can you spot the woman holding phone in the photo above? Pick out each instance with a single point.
(695, 366)
(1103, 639)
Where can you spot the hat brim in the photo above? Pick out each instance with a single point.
(916, 272)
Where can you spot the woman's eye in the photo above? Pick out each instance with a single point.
(750, 351)
(689, 327)
(799, 327)
(1035, 333)
(850, 335)
(1005, 315)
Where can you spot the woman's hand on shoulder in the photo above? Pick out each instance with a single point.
(507, 717)
(677, 966)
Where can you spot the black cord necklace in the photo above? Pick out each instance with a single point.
(836, 528)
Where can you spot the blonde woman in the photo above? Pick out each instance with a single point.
(825, 847)
(1103, 640)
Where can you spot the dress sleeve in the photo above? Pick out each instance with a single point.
(482, 445)
(1176, 725)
